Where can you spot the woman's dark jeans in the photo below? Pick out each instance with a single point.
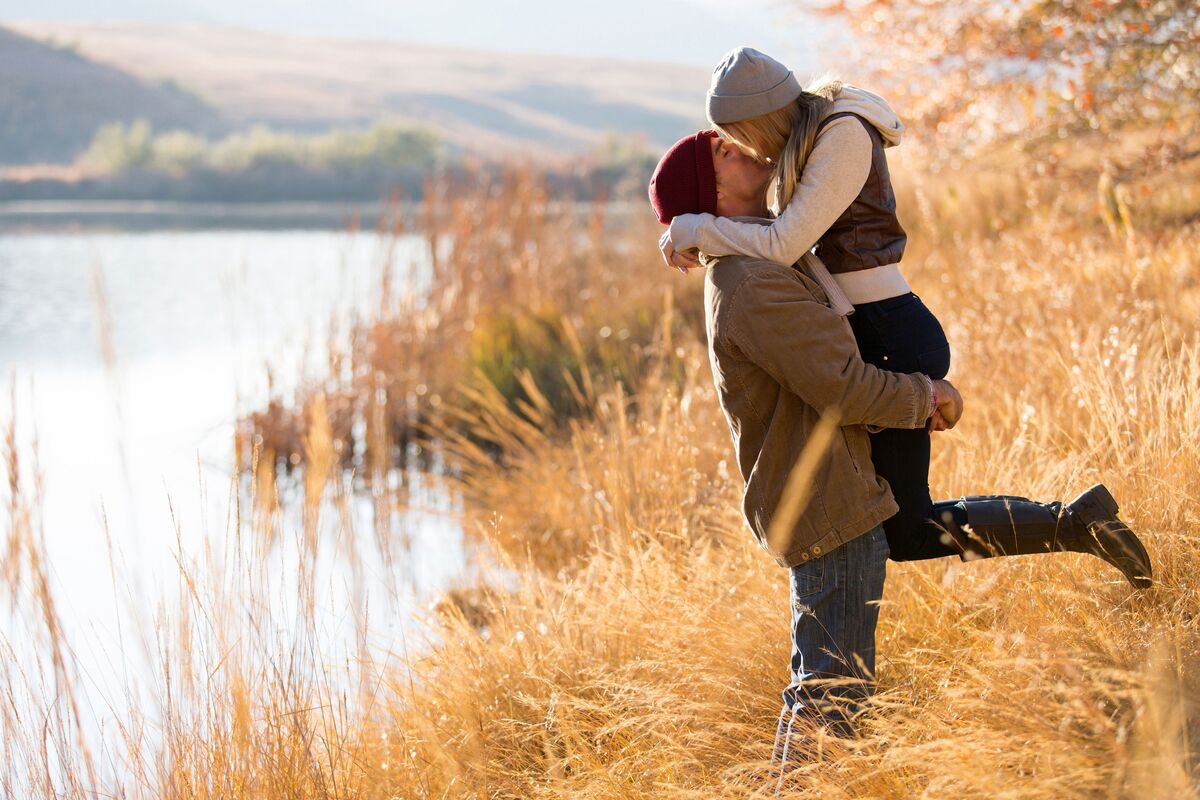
(902, 335)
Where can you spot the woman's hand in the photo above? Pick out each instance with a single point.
(949, 406)
(680, 261)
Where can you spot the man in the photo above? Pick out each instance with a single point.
(798, 399)
(783, 360)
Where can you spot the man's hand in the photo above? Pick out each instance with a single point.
(949, 406)
(680, 261)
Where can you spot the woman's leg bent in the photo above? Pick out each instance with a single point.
(902, 335)
(901, 457)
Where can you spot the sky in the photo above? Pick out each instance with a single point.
(682, 31)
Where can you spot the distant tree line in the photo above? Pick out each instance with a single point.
(131, 161)
(134, 161)
(118, 149)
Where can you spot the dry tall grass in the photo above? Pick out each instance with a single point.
(630, 641)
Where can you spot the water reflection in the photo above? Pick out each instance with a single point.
(137, 454)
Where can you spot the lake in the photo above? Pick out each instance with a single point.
(136, 446)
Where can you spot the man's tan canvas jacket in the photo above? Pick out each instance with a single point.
(781, 357)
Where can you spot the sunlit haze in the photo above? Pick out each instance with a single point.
(684, 31)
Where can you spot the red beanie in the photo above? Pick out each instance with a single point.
(685, 182)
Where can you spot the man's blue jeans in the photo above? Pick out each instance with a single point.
(835, 608)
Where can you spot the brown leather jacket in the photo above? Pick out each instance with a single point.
(780, 357)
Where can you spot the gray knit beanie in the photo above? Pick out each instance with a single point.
(748, 84)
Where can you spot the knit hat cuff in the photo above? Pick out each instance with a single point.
(724, 108)
(706, 173)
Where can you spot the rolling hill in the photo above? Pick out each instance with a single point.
(52, 100)
(474, 100)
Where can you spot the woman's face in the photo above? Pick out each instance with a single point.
(741, 180)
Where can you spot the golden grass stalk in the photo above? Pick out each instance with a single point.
(798, 492)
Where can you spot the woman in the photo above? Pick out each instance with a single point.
(833, 191)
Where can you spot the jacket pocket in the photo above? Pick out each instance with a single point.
(850, 452)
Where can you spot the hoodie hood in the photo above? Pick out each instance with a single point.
(872, 108)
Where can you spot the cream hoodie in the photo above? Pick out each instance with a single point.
(874, 109)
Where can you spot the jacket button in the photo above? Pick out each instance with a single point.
(817, 550)
(885, 358)
(805, 556)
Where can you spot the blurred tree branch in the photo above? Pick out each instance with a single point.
(974, 72)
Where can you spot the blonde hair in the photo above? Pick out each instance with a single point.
(785, 137)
